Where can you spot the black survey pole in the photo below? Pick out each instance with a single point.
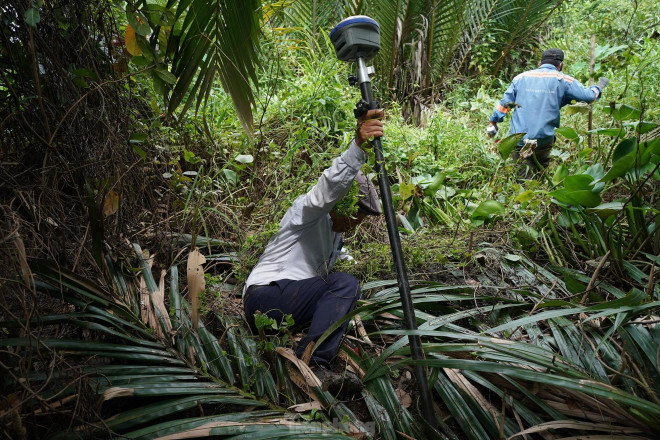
(395, 243)
(357, 39)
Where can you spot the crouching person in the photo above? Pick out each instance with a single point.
(293, 274)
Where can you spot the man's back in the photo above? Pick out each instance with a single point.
(537, 96)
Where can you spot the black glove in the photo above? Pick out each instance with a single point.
(602, 83)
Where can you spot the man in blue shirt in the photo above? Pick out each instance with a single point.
(293, 276)
(537, 96)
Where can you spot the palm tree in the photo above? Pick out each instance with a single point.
(424, 41)
(191, 43)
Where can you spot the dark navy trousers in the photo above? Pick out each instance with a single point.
(318, 301)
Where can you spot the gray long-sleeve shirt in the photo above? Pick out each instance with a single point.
(305, 245)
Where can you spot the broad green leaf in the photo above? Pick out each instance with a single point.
(525, 196)
(190, 157)
(577, 198)
(578, 182)
(160, 15)
(438, 179)
(623, 112)
(619, 168)
(644, 127)
(140, 61)
(422, 180)
(406, 226)
(82, 73)
(625, 147)
(568, 132)
(527, 235)
(147, 50)
(231, 176)
(579, 108)
(160, 87)
(507, 145)
(654, 146)
(244, 158)
(32, 17)
(586, 152)
(560, 174)
(406, 190)
(488, 208)
(166, 76)
(137, 138)
(596, 171)
(607, 209)
(614, 132)
(138, 22)
(140, 152)
(647, 150)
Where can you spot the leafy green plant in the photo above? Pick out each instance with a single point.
(524, 352)
(611, 213)
(186, 45)
(347, 205)
(155, 359)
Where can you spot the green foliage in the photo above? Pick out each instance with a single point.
(625, 224)
(165, 373)
(271, 342)
(347, 206)
(596, 207)
(307, 94)
(515, 355)
(186, 45)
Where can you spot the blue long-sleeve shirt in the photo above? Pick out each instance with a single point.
(537, 96)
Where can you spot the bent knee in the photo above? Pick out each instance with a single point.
(346, 282)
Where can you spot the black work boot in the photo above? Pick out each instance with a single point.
(342, 384)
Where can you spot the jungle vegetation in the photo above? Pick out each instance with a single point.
(148, 149)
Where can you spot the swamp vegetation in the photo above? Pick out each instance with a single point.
(148, 149)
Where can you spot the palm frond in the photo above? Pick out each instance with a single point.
(540, 365)
(217, 38)
(169, 374)
(515, 20)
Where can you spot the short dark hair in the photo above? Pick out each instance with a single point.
(552, 56)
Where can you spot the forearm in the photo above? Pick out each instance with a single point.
(502, 108)
(580, 93)
(333, 184)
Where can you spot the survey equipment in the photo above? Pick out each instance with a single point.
(357, 39)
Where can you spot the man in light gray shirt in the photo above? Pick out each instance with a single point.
(293, 274)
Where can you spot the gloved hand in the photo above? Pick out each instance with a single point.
(491, 130)
(602, 83)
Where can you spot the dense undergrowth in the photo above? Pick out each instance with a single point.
(537, 300)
